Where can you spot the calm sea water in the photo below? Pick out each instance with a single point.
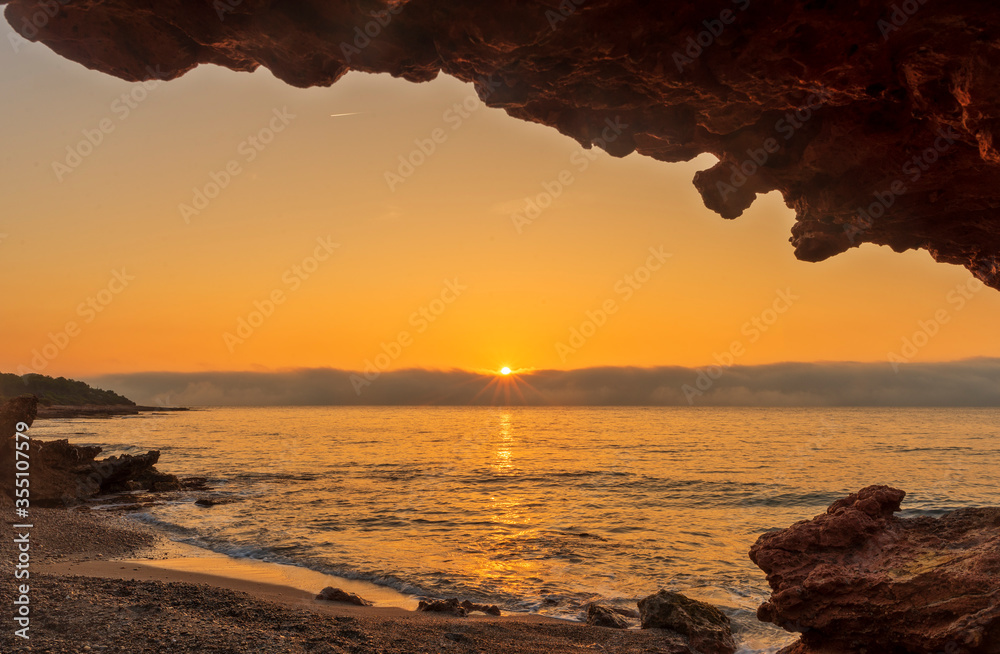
(544, 509)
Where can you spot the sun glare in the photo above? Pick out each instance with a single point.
(505, 370)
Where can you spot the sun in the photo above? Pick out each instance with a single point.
(505, 370)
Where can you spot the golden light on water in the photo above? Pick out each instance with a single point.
(502, 455)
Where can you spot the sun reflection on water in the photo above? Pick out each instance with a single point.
(503, 454)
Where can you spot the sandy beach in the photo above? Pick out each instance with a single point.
(98, 585)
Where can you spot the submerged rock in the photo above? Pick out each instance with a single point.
(858, 578)
(602, 616)
(331, 594)
(214, 501)
(707, 629)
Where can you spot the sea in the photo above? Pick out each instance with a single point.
(542, 510)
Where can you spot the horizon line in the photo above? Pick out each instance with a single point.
(967, 382)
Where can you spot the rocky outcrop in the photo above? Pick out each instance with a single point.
(858, 578)
(488, 609)
(450, 606)
(602, 616)
(16, 415)
(331, 594)
(100, 411)
(454, 607)
(87, 411)
(62, 473)
(879, 121)
(706, 628)
(14, 412)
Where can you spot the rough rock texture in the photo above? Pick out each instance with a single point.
(62, 473)
(19, 410)
(454, 607)
(450, 606)
(858, 578)
(488, 609)
(878, 121)
(331, 594)
(602, 616)
(706, 627)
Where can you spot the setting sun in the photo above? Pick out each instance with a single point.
(505, 370)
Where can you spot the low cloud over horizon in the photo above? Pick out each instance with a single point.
(973, 382)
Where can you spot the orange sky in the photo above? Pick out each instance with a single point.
(441, 240)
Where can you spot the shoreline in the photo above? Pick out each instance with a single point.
(56, 411)
(106, 582)
(173, 560)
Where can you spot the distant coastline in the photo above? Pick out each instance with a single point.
(98, 411)
(59, 397)
(57, 391)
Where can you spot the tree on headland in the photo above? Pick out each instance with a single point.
(57, 391)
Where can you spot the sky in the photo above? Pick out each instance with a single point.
(227, 222)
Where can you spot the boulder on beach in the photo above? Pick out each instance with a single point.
(451, 606)
(331, 594)
(706, 628)
(858, 578)
(602, 616)
(454, 607)
(488, 609)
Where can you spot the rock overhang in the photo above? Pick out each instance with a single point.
(876, 121)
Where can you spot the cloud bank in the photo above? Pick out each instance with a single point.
(974, 382)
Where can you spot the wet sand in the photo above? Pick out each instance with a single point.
(100, 583)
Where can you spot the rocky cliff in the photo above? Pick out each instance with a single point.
(874, 119)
